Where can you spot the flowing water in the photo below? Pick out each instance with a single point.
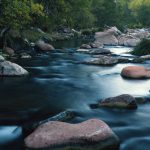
(58, 82)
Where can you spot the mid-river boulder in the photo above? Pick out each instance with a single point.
(99, 51)
(8, 68)
(135, 72)
(85, 46)
(88, 135)
(42, 46)
(96, 45)
(102, 60)
(122, 101)
(95, 51)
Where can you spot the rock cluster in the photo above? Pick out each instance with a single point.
(114, 37)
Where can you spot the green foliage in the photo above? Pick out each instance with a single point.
(19, 13)
(31, 34)
(143, 48)
(15, 13)
(105, 12)
(90, 31)
(144, 15)
(79, 14)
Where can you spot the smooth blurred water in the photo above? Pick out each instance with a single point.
(58, 82)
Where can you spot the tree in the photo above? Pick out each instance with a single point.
(141, 10)
(18, 13)
(15, 14)
(80, 13)
(105, 12)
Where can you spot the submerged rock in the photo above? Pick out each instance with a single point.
(85, 46)
(95, 51)
(8, 68)
(96, 45)
(135, 72)
(41, 45)
(25, 56)
(63, 116)
(11, 137)
(99, 51)
(122, 101)
(123, 59)
(91, 134)
(102, 60)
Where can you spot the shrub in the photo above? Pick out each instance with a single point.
(86, 32)
(143, 48)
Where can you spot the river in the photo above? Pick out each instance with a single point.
(58, 82)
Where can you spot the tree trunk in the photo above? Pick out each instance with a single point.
(3, 38)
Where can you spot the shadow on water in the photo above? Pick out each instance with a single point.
(57, 82)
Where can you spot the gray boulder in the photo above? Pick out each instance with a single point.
(102, 60)
(108, 37)
(85, 46)
(96, 45)
(122, 101)
(99, 51)
(41, 45)
(95, 51)
(128, 40)
(8, 68)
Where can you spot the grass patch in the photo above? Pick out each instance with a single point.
(143, 48)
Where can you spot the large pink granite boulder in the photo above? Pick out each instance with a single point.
(135, 72)
(89, 135)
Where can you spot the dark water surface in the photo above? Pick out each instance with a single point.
(57, 82)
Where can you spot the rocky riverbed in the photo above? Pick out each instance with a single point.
(60, 81)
